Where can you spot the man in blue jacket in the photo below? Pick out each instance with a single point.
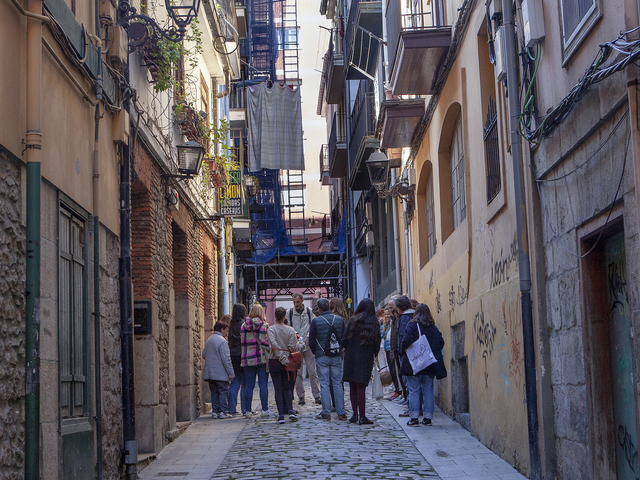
(325, 341)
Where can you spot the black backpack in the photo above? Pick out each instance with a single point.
(333, 343)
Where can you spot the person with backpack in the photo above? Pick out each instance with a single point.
(299, 317)
(325, 336)
(361, 345)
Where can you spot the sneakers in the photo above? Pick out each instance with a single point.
(267, 413)
(323, 416)
(404, 401)
(413, 422)
(426, 421)
(353, 419)
(365, 421)
(393, 397)
(318, 401)
(301, 401)
(342, 418)
(248, 415)
(293, 417)
(214, 415)
(404, 414)
(281, 419)
(225, 415)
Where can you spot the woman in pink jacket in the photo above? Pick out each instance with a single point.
(255, 350)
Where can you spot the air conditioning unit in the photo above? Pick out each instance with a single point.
(495, 7)
(533, 20)
(499, 43)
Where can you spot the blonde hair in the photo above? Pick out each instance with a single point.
(257, 311)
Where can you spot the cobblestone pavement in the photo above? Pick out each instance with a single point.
(313, 449)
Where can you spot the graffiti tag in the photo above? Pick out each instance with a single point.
(485, 336)
(501, 267)
(630, 450)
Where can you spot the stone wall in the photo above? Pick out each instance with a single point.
(572, 205)
(12, 323)
(111, 376)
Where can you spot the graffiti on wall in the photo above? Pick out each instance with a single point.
(625, 440)
(431, 284)
(438, 303)
(504, 360)
(617, 286)
(485, 337)
(513, 330)
(505, 265)
(457, 297)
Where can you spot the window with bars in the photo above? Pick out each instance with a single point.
(458, 191)
(72, 314)
(431, 218)
(578, 16)
(492, 152)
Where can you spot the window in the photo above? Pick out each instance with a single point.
(288, 38)
(492, 152)
(578, 17)
(458, 198)
(72, 316)
(431, 218)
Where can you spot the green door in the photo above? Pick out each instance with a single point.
(622, 365)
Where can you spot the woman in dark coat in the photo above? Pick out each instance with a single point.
(238, 315)
(361, 343)
(422, 323)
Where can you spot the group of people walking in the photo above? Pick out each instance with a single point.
(335, 348)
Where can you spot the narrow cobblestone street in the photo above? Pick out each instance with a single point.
(312, 449)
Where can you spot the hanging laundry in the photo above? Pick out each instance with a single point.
(275, 128)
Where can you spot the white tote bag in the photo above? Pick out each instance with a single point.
(419, 353)
(376, 387)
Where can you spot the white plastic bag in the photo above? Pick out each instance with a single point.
(376, 387)
(420, 354)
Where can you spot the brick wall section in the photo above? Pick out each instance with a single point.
(12, 324)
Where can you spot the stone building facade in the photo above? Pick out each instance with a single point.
(12, 304)
(175, 275)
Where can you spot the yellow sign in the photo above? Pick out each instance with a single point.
(231, 195)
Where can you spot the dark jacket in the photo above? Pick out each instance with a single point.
(358, 359)
(435, 341)
(235, 340)
(319, 330)
(403, 321)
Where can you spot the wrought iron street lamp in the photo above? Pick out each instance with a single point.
(378, 166)
(141, 28)
(190, 157)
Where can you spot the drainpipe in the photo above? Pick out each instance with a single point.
(96, 254)
(407, 241)
(126, 319)
(524, 267)
(33, 157)
(223, 269)
(396, 236)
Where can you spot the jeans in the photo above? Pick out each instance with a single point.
(250, 379)
(330, 368)
(219, 394)
(414, 384)
(283, 382)
(237, 384)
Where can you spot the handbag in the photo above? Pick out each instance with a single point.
(385, 376)
(420, 354)
(376, 387)
(295, 360)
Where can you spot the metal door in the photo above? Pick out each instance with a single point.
(622, 365)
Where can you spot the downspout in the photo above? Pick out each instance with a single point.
(223, 270)
(524, 266)
(408, 246)
(396, 236)
(96, 253)
(34, 178)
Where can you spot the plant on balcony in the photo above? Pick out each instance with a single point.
(216, 168)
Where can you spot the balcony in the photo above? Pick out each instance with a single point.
(418, 48)
(364, 28)
(363, 141)
(400, 119)
(237, 107)
(334, 85)
(338, 146)
(324, 165)
(241, 15)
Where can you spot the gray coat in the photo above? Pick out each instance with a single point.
(217, 359)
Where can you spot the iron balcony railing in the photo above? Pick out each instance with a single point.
(363, 118)
(398, 22)
(324, 159)
(338, 132)
(351, 23)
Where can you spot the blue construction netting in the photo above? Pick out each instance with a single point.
(270, 236)
(339, 242)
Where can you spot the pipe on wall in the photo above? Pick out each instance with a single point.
(34, 179)
(396, 237)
